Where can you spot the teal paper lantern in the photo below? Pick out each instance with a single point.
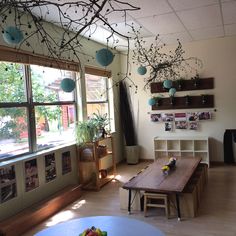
(142, 70)
(104, 57)
(167, 84)
(172, 92)
(67, 85)
(152, 101)
(12, 35)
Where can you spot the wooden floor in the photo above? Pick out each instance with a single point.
(216, 215)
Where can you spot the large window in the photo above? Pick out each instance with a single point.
(34, 112)
(96, 94)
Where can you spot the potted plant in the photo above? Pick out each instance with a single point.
(101, 122)
(86, 131)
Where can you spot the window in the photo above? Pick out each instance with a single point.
(34, 112)
(96, 94)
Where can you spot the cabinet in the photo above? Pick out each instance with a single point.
(96, 161)
(182, 146)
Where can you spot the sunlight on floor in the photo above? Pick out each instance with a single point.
(78, 204)
(60, 217)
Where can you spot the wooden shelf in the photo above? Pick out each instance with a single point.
(181, 102)
(186, 85)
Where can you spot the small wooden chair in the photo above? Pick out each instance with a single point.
(157, 196)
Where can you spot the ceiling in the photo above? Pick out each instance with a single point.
(187, 20)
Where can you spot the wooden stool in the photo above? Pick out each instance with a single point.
(158, 196)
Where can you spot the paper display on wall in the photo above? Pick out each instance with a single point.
(50, 167)
(66, 162)
(31, 175)
(7, 183)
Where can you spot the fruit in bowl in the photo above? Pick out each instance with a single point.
(93, 232)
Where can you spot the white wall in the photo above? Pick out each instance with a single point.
(219, 57)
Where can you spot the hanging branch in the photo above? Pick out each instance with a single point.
(76, 18)
(162, 65)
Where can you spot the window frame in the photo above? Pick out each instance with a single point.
(13, 56)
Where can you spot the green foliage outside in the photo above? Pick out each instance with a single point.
(12, 87)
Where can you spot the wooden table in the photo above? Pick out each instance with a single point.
(113, 225)
(152, 179)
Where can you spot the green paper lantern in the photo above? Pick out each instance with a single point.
(12, 35)
(167, 84)
(172, 92)
(142, 70)
(67, 85)
(104, 57)
(152, 101)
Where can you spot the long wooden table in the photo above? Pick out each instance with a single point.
(152, 178)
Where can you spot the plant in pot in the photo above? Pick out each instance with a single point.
(101, 122)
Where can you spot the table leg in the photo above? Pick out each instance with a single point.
(129, 202)
(178, 208)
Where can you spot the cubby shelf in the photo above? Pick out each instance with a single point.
(183, 146)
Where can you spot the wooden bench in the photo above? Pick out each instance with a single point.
(31, 216)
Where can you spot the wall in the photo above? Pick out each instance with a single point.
(24, 199)
(218, 56)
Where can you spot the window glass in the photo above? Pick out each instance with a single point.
(46, 84)
(12, 82)
(99, 108)
(56, 125)
(96, 88)
(13, 131)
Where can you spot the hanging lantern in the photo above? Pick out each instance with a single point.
(12, 35)
(172, 92)
(67, 85)
(167, 84)
(152, 101)
(104, 57)
(142, 70)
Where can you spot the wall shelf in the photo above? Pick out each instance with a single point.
(186, 85)
(181, 102)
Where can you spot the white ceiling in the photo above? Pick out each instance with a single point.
(187, 20)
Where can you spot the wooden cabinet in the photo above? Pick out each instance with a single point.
(182, 146)
(96, 163)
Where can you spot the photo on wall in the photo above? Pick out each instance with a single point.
(192, 116)
(181, 124)
(193, 125)
(169, 126)
(7, 183)
(205, 115)
(156, 117)
(50, 167)
(66, 162)
(167, 117)
(31, 175)
(180, 117)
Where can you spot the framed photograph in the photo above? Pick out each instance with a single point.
(169, 126)
(31, 175)
(204, 115)
(193, 125)
(50, 167)
(167, 117)
(180, 117)
(156, 117)
(181, 124)
(7, 183)
(192, 116)
(66, 162)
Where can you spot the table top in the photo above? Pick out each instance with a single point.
(153, 179)
(113, 225)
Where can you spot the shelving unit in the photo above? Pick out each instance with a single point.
(96, 163)
(182, 146)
